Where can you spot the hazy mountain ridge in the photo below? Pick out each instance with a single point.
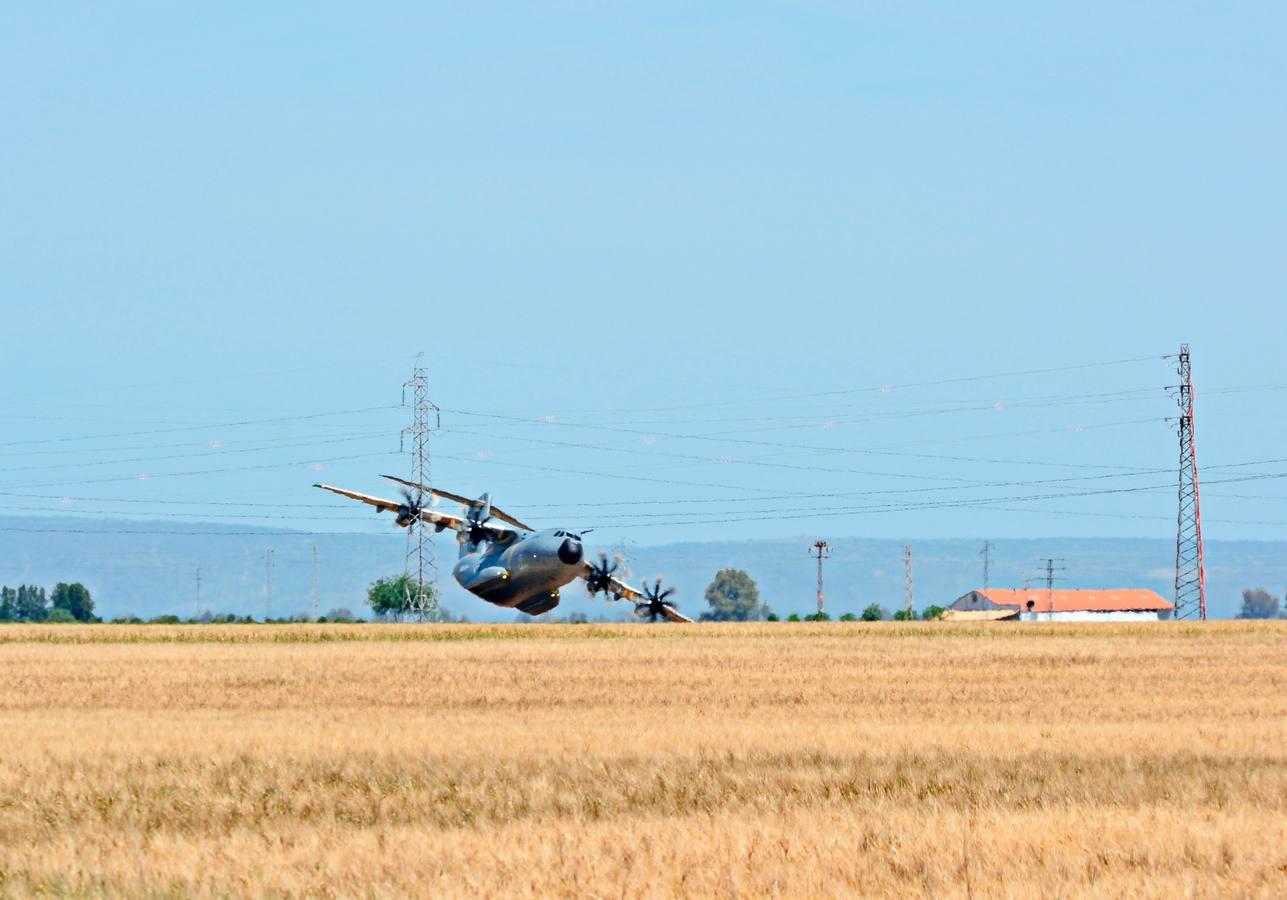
(147, 568)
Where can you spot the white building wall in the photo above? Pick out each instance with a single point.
(1088, 616)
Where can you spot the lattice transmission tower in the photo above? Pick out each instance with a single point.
(421, 563)
(1190, 570)
(1050, 570)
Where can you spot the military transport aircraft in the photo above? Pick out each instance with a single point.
(513, 564)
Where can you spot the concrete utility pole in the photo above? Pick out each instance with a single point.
(268, 585)
(198, 611)
(314, 582)
(986, 553)
(821, 550)
(907, 582)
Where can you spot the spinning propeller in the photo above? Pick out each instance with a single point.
(599, 578)
(409, 511)
(655, 604)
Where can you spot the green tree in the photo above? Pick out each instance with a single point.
(873, 613)
(848, 617)
(393, 597)
(733, 597)
(932, 612)
(8, 604)
(30, 604)
(794, 617)
(905, 615)
(60, 615)
(1258, 603)
(75, 599)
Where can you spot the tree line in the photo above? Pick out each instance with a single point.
(30, 603)
(1258, 603)
(735, 597)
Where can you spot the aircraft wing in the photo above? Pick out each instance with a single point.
(619, 590)
(447, 495)
(674, 615)
(379, 504)
(442, 520)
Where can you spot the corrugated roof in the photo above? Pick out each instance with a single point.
(1077, 601)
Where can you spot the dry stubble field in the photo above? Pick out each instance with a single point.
(620, 761)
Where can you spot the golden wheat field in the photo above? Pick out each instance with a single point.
(800, 760)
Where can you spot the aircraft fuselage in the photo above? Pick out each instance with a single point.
(524, 572)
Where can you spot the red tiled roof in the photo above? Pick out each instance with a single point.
(1077, 601)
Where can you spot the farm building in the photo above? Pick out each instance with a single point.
(1041, 605)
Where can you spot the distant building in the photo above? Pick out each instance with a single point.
(1040, 605)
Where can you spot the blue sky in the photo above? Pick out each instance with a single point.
(737, 270)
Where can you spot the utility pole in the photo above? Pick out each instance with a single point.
(1190, 568)
(420, 562)
(907, 582)
(198, 610)
(314, 582)
(268, 585)
(1051, 569)
(986, 553)
(821, 550)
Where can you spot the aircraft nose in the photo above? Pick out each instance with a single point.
(570, 551)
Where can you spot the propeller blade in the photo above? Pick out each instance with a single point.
(465, 501)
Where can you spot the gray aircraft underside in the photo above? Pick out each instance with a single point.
(525, 573)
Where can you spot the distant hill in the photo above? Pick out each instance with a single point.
(148, 568)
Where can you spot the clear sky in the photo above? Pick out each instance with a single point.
(679, 270)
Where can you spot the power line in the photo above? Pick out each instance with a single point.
(197, 426)
(213, 452)
(944, 504)
(174, 533)
(217, 471)
(885, 388)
